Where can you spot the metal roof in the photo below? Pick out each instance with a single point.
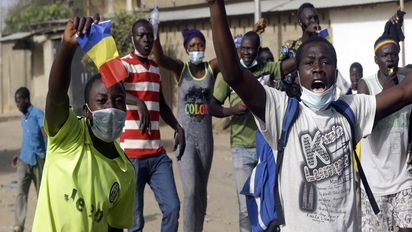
(243, 8)
(15, 36)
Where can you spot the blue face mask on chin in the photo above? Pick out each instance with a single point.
(317, 101)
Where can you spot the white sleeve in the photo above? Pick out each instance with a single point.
(364, 108)
(276, 102)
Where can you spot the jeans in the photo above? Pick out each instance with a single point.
(25, 175)
(158, 173)
(244, 160)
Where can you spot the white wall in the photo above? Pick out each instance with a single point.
(355, 29)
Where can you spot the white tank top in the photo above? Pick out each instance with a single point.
(384, 152)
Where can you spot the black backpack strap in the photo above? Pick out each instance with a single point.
(291, 113)
(343, 108)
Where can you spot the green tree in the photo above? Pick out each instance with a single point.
(26, 13)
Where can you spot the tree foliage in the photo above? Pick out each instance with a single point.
(24, 14)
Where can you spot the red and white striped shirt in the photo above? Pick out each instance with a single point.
(144, 83)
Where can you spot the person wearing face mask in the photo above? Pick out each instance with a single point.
(316, 179)
(385, 151)
(243, 128)
(88, 182)
(195, 79)
(141, 139)
(308, 19)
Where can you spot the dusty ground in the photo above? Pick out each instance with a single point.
(222, 203)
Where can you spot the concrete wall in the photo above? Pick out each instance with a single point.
(16, 72)
(355, 30)
(25, 67)
(42, 60)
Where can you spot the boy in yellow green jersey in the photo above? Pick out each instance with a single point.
(88, 182)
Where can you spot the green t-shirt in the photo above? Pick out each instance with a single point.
(243, 127)
(81, 189)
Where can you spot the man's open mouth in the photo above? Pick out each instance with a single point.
(318, 86)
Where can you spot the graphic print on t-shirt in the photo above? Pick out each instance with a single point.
(196, 103)
(326, 173)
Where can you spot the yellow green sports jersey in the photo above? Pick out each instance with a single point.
(81, 189)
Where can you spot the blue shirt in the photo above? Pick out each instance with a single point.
(33, 143)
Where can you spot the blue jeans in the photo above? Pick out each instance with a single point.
(244, 160)
(158, 173)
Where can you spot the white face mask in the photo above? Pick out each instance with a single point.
(317, 101)
(108, 123)
(254, 63)
(196, 57)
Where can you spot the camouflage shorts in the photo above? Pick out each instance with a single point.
(396, 211)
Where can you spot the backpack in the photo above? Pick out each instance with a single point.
(261, 188)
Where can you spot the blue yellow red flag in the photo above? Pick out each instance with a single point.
(100, 46)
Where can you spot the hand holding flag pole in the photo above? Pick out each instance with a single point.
(98, 43)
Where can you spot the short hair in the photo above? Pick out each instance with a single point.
(140, 22)
(316, 39)
(24, 92)
(254, 36)
(89, 85)
(356, 65)
(304, 6)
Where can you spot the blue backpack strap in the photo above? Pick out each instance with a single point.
(343, 108)
(289, 118)
(291, 113)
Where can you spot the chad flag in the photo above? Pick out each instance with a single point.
(100, 46)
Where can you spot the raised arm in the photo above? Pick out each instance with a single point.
(214, 64)
(394, 98)
(174, 65)
(57, 101)
(288, 66)
(243, 82)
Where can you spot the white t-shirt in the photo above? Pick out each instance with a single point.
(317, 185)
(384, 152)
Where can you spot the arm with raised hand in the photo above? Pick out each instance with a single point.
(57, 100)
(394, 98)
(174, 65)
(243, 82)
(214, 64)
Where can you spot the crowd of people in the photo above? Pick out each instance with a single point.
(97, 165)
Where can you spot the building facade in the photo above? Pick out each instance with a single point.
(353, 27)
